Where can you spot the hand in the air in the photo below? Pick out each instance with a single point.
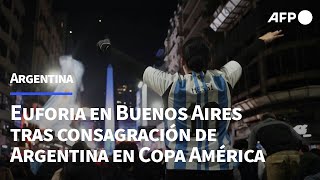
(104, 44)
(271, 36)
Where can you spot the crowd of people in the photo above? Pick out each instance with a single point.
(287, 156)
(307, 167)
(80, 170)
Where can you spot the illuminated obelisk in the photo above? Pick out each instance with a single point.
(110, 124)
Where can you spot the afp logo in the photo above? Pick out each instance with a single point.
(304, 17)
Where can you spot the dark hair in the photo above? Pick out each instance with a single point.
(196, 54)
(268, 115)
(127, 146)
(80, 145)
(241, 144)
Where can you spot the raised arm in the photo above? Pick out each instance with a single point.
(248, 53)
(156, 79)
(233, 69)
(116, 57)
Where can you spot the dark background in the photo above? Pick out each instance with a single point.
(138, 28)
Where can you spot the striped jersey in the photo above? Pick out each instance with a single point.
(185, 91)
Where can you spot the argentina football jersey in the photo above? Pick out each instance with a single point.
(207, 89)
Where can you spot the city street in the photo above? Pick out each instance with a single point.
(159, 90)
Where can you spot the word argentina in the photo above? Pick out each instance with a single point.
(196, 155)
(39, 79)
(123, 113)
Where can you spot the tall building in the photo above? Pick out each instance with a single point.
(189, 20)
(125, 95)
(193, 18)
(48, 41)
(11, 14)
(31, 41)
(173, 42)
(44, 39)
(282, 79)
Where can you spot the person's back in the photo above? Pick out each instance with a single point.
(199, 89)
(47, 170)
(276, 136)
(79, 170)
(198, 86)
(281, 143)
(309, 164)
(5, 173)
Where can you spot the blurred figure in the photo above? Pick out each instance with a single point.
(78, 170)
(281, 143)
(47, 169)
(246, 170)
(315, 151)
(131, 170)
(157, 169)
(21, 170)
(34, 167)
(313, 177)
(5, 173)
(44, 170)
(309, 163)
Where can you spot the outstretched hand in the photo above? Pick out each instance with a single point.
(271, 36)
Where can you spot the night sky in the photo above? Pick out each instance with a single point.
(137, 28)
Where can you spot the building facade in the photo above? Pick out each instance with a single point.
(189, 20)
(125, 95)
(173, 42)
(11, 14)
(42, 43)
(31, 41)
(283, 78)
(48, 40)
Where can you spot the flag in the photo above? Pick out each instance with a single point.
(69, 66)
